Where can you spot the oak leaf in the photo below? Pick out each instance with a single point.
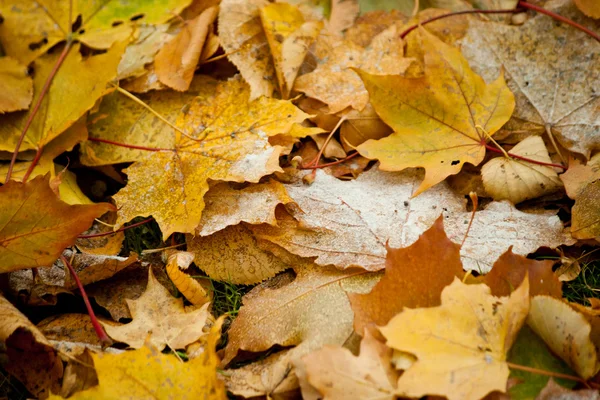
(29, 29)
(461, 346)
(509, 178)
(414, 277)
(160, 319)
(311, 311)
(16, 86)
(65, 102)
(229, 143)
(337, 374)
(566, 332)
(147, 373)
(31, 357)
(176, 61)
(556, 84)
(441, 120)
(36, 226)
(348, 223)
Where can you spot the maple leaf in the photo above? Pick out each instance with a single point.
(414, 277)
(566, 332)
(64, 102)
(29, 28)
(147, 373)
(229, 143)
(556, 84)
(348, 223)
(438, 119)
(335, 83)
(460, 346)
(160, 319)
(507, 178)
(233, 255)
(119, 119)
(31, 357)
(337, 374)
(36, 226)
(307, 313)
(176, 61)
(16, 86)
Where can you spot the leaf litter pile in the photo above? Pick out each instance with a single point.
(302, 199)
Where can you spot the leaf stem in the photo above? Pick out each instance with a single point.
(37, 105)
(452, 14)
(95, 235)
(315, 162)
(550, 373)
(558, 17)
(351, 156)
(97, 327)
(129, 146)
(495, 150)
(36, 159)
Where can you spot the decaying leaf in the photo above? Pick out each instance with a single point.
(228, 141)
(441, 120)
(554, 391)
(460, 346)
(578, 176)
(555, 82)
(160, 319)
(348, 223)
(146, 373)
(194, 291)
(36, 226)
(566, 332)
(337, 374)
(585, 219)
(517, 180)
(31, 358)
(176, 62)
(16, 86)
(414, 277)
(233, 255)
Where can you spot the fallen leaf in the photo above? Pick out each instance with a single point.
(65, 102)
(585, 214)
(16, 86)
(147, 373)
(176, 61)
(230, 143)
(450, 100)
(414, 277)
(255, 204)
(555, 83)
(510, 269)
(129, 284)
(160, 319)
(337, 374)
(342, 15)
(233, 255)
(31, 358)
(508, 178)
(370, 24)
(335, 83)
(141, 52)
(194, 291)
(590, 8)
(109, 245)
(75, 328)
(578, 176)
(30, 29)
(460, 346)
(566, 332)
(554, 391)
(311, 311)
(289, 37)
(243, 39)
(348, 223)
(36, 226)
(531, 351)
(120, 119)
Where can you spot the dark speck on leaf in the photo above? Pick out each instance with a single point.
(455, 162)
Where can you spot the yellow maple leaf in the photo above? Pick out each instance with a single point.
(148, 374)
(439, 119)
(229, 143)
(460, 346)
